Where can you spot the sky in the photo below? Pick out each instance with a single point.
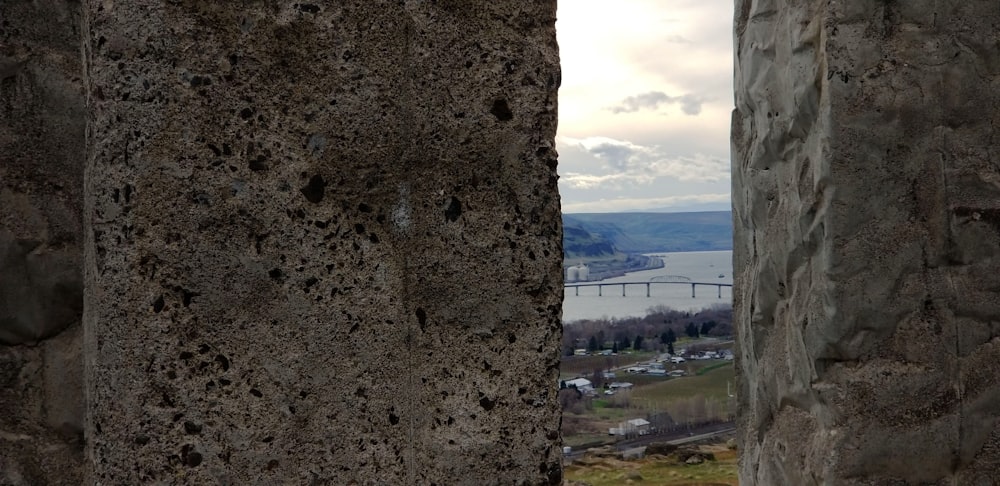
(645, 104)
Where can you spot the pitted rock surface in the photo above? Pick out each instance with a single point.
(42, 156)
(867, 237)
(325, 243)
(42, 123)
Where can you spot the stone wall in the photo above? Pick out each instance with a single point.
(42, 123)
(323, 242)
(867, 228)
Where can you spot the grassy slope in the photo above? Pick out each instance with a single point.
(659, 471)
(711, 384)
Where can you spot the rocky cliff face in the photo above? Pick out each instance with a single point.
(867, 238)
(324, 242)
(318, 243)
(42, 123)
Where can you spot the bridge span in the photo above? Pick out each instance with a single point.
(600, 286)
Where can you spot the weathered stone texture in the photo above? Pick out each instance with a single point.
(42, 126)
(324, 242)
(867, 228)
(41, 396)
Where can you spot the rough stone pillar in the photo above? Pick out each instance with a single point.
(867, 227)
(324, 242)
(42, 123)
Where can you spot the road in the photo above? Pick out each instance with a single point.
(680, 437)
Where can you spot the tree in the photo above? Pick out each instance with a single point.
(597, 379)
(614, 347)
(691, 330)
(706, 327)
(670, 348)
(668, 337)
(638, 343)
(592, 344)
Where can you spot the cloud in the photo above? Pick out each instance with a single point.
(690, 104)
(619, 155)
(678, 39)
(624, 164)
(714, 202)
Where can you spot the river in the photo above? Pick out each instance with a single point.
(698, 266)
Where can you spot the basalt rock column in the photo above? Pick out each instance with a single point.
(867, 228)
(324, 242)
(42, 124)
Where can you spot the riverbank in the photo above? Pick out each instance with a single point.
(601, 269)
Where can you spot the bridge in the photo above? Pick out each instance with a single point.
(600, 286)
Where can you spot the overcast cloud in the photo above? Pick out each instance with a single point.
(645, 105)
(622, 166)
(690, 104)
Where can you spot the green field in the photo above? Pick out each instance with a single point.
(701, 395)
(711, 384)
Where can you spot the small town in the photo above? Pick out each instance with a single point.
(650, 403)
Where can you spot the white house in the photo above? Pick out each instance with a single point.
(631, 428)
(582, 384)
(637, 426)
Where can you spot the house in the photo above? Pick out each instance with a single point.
(637, 426)
(620, 385)
(631, 427)
(583, 385)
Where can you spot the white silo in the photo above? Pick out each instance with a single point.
(572, 274)
(582, 273)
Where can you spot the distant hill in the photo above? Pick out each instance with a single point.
(597, 234)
